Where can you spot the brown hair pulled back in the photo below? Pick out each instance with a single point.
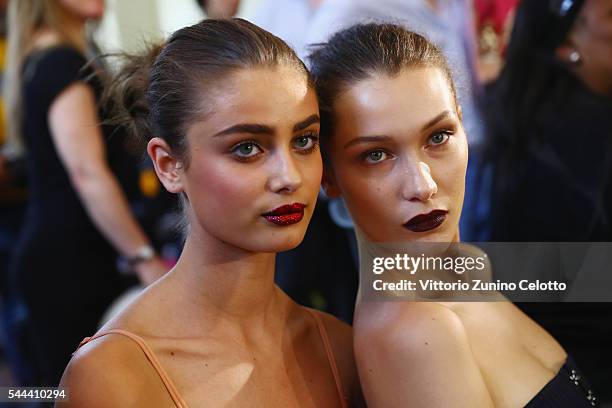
(162, 91)
(362, 51)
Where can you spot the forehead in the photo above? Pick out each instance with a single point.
(386, 104)
(266, 95)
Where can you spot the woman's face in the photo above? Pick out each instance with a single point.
(592, 37)
(399, 156)
(84, 9)
(254, 162)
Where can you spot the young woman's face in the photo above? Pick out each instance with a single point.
(254, 162)
(399, 156)
(84, 9)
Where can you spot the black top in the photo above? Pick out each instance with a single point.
(558, 188)
(59, 235)
(567, 389)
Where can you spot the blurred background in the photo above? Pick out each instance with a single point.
(534, 79)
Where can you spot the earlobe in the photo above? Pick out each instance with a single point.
(568, 54)
(329, 183)
(167, 167)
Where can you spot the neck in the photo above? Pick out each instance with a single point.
(72, 31)
(226, 282)
(599, 85)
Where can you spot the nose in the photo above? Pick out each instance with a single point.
(285, 176)
(418, 184)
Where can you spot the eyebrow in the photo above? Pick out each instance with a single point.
(366, 139)
(383, 138)
(258, 129)
(311, 120)
(440, 117)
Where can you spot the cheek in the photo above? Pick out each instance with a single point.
(216, 187)
(312, 174)
(363, 192)
(450, 171)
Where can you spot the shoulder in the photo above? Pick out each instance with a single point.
(59, 57)
(420, 349)
(110, 370)
(412, 329)
(47, 72)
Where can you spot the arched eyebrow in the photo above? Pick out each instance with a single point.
(383, 138)
(438, 118)
(366, 139)
(311, 120)
(258, 129)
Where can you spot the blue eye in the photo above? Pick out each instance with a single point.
(375, 156)
(246, 150)
(439, 138)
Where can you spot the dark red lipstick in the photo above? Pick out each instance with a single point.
(286, 214)
(426, 222)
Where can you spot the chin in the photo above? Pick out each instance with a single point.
(278, 242)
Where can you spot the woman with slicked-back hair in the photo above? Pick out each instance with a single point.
(64, 267)
(231, 121)
(397, 153)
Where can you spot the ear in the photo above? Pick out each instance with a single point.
(329, 182)
(167, 167)
(567, 53)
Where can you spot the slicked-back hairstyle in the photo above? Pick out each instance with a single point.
(363, 51)
(162, 91)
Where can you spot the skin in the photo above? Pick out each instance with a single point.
(388, 143)
(591, 37)
(225, 334)
(220, 8)
(84, 9)
(425, 354)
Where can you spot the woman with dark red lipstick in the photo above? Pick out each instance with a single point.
(231, 120)
(397, 153)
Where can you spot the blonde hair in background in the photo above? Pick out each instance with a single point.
(25, 19)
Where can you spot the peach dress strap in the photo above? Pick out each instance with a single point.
(178, 400)
(330, 357)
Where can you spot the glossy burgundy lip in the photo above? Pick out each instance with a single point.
(426, 222)
(286, 214)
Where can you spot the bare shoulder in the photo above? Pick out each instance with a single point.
(408, 326)
(418, 349)
(111, 370)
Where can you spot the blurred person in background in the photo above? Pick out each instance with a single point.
(219, 8)
(547, 166)
(64, 268)
(493, 24)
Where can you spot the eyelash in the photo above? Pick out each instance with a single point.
(446, 133)
(313, 138)
(368, 154)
